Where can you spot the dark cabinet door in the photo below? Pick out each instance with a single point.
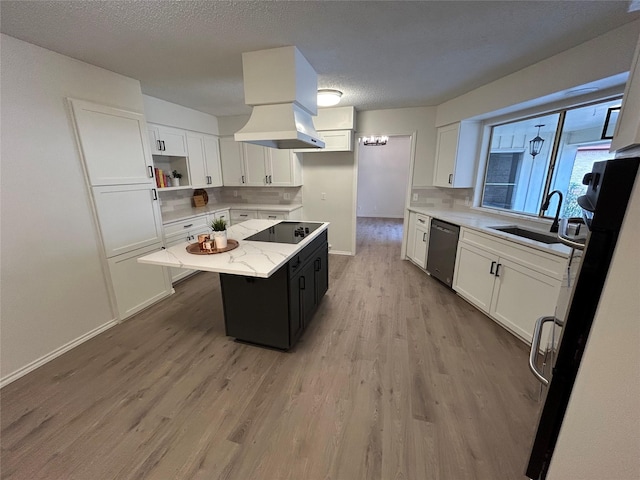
(308, 292)
(296, 317)
(321, 268)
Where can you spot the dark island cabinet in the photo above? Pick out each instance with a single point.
(275, 311)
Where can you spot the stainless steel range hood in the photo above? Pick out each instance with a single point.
(282, 88)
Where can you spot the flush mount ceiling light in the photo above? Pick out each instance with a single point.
(375, 141)
(535, 145)
(328, 97)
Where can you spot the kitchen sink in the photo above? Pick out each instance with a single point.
(530, 234)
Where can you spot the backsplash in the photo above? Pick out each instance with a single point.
(434, 197)
(180, 199)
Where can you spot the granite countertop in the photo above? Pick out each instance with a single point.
(184, 213)
(482, 222)
(251, 259)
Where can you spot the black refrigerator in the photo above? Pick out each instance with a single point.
(609, 187)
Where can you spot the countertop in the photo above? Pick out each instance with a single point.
(182, 214)
(251, 259)
(481, 222)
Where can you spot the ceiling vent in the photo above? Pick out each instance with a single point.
(282, 88)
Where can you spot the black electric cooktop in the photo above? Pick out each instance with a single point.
(285, 232)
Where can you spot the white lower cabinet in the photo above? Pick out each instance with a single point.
(183, 231)
(418, 239)
(137, 285)
(515, 285)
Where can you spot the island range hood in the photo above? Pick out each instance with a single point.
(282, 88)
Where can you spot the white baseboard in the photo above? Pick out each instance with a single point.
(341, 252)
(56, 353)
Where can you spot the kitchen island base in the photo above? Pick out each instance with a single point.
(274, 312)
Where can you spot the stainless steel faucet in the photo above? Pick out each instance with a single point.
(545, 206)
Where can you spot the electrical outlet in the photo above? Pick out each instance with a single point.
(235, 193)
(287, 196)
(323, 196)
(415, 197)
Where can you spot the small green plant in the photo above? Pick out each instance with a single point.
(176, 174)
(219, 225)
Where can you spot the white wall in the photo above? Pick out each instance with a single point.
(53, 287)
(331, 173)
(600, 434)
(406, 121)
(604, 56)
(173, 115)
(383, 177)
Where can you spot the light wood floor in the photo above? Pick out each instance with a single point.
(396, 378)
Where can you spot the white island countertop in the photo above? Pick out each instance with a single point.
(251, 259)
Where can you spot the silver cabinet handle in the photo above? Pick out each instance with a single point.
(270, 181)
(150, 171)
(159, 145)
(450, 178)
(535, 346)
(424, 237)
(493, 265)
(266, 179)
(155, 194)
(421, 220)
(187, 226)
(498, 269)
(242, 178)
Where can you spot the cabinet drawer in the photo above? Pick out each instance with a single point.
(272, 215)
(242, 215)
(542, 262)
(307, 252)
(422, 221)
(189, 225)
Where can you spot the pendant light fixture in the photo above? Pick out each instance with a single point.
(328, 97)
(375, 140)
(535, 145)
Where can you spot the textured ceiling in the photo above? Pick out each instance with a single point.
(380, 54)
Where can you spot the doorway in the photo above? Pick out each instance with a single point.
(383, 179)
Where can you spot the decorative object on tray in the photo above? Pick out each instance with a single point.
(175, 182)
(219, 227)
(195, 248)
(200, 197)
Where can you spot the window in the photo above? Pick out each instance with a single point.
(517, 181)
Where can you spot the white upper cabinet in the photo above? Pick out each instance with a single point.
(456, 153)
(335, 127)
(249, 165)
(283, 167)
(255, 159)
(107, 136)
(627, 132)
(204, 160)
(167, 141)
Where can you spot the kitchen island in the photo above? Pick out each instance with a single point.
(270, 289)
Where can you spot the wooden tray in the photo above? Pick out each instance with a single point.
(194, 248)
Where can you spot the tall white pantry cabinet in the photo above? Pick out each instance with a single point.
(120, 177)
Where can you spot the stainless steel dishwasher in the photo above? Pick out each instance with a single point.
(441, 256)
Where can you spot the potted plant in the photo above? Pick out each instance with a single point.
(176, 178)
(219, 227)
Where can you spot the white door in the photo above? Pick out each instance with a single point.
(114, 144)
(254, 165)
(446, 151)
(521, 296)
(231, 155)
(197, 163)
(212, 160)
(129, 217)
(473, 278)
(137, 285)
(174, 141)
(154, 140)
(420, 242)
(281, 167)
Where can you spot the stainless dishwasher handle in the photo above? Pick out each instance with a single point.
(535, 346)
